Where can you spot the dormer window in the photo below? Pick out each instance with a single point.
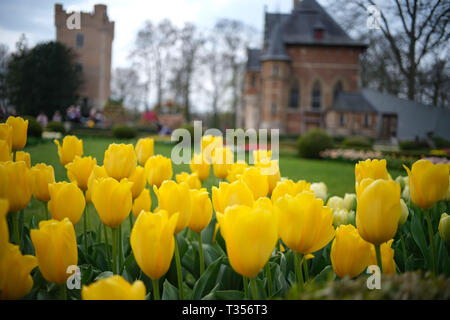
(318, 34)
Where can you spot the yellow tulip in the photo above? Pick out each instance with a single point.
(236, 170)
(387, 257)
(66, 201)
(375, 169)
(257, 182)
(55, 245)
(6, 133)
(444, 228)
(96, 173)
(447, 195)
(5, 151)
(152, 241)
(428, 182)
(71, 147)
(41, 175)
(191, 179)
(200, 166)
(167, 193)
(222, 159)
(158, 169)
(378, 210)
(271, 169)
(19, 131)
(250, 234)
(80, 169)
(262, 155)
(139, 181)
(201, 210)
(15, 184)
(350, 254)
(144, 149)
(120, 160)
(25, 157)
(114, 288)
(15, 278)
(305, 224)
(209, 144)
(112, 200)
(289, 187)
(142, 203)
(229, 194)
(320, 190)
(4, 232)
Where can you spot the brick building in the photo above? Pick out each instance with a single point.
(92, 43)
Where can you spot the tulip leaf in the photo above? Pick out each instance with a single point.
(229, 295)
(207, 280)
(419, 237)
(326, 274)
(103, 275)
(211, 295)
(170, 292)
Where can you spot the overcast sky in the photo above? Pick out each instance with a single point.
(35, 18)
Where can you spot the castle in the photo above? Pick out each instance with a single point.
(92, 44)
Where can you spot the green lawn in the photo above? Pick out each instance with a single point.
(338, 176)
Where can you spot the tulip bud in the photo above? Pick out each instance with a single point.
(387, 257)
(142, 203)
(139, 181)
(96, 173)
(305, 224)
(191, 179)
(250, 234)
(201, 210)
(154, 233)
(19, 131)
(80, 169)
(25, 157)
(336, 203)
(55, 244)
(166, 194)
(405, 213)
(112, 200)
(379, 209)
(236, 170)
(41, 175)
(428, 182)
(340, 217)
(320, 190)
(200, 166)
(5, 151)
(350, 254)
(4, 232)
(257, 182)
(66, 201)
(229, 194)
(350, 201)
(222, 159)
(15, 184)
(271, 169)
(6, 133)
(158, 169)
(71, 147)
(406, 194)
(15, 278)
(120, 160)
(444, 228)
(375, 169)
(144, 149)
(400, 181)
(114, 288)
(289, 187)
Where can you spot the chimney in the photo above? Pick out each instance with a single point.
(296, 2)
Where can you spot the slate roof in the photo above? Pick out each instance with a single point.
(254, 59)
(352, 101)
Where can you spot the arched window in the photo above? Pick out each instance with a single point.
(316, 98)
(294, 95)
(337, 88)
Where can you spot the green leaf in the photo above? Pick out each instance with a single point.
(103, 275)
(326, 274)
(207, 281)
(229, 295)
(169, 291)
(419, 237)
(211, 295)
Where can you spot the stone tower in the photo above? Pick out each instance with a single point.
(92, 44)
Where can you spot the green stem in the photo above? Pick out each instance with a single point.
(15, 219)
(155, 283)
(85, 231)
(269, 278)
(402, 241)
(379, 261)
(46, 211)
(179, 274)
(63, 291)
(254, 290)
(245, 280)
(200, 252)
(430, 235)
(120, 248)
(305, 268)
(107, 245)
(114, 249)
(130, 217)
(298, 260)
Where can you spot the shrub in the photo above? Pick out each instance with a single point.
(441, 142)
(34, 127)
(412, 145)
(313, 142)
(124, 132)
(54, 126)
(357, 142)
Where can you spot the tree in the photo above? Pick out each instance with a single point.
(4, 58)
(125, 87)
(44, 78)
